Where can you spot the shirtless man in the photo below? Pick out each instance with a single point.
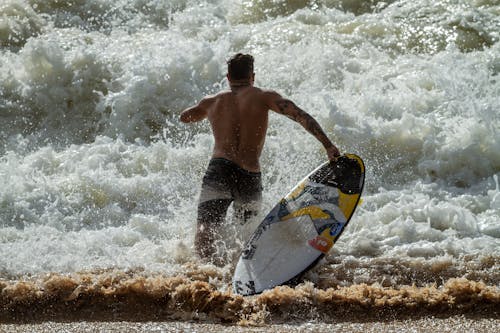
(239, 120)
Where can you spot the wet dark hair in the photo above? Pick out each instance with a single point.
(240, 66)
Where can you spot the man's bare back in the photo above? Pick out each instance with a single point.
(239, 120)
(239, 124)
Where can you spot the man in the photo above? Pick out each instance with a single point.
(239, 120)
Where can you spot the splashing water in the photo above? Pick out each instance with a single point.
(98, 175)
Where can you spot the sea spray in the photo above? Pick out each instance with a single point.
(99, 178)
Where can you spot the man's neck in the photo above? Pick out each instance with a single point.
(239, 84)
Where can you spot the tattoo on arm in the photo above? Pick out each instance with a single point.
(283, 105)
(292, 111)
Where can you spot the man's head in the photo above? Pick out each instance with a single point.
(240, 68)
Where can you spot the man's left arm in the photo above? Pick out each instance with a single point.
(288, 108)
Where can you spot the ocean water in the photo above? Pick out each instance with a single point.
(99, 180)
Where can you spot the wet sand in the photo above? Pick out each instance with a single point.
(427, 324)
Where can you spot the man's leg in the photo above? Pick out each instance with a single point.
(249, 196)
(246, 211)
(211, 215)
(215, 198)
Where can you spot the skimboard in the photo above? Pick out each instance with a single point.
(302, 227)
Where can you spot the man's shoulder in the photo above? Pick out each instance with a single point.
(262, 90)
(270, 94)
(229, 93)
(210, 99)
(216, 96)
(255, 91)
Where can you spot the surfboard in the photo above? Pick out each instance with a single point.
(302, 227)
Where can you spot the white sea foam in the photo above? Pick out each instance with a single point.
(97, 172)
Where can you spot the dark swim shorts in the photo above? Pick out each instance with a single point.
(223, 183)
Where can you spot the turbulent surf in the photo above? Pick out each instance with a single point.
(99, 180)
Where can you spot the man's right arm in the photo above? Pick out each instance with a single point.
(197, 112)
(288, 108)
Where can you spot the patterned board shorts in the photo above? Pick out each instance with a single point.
(223, 183)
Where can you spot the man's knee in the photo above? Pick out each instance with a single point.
(203, 240)
(246, 212)
(213, 211)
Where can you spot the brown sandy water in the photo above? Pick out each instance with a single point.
(203, 295)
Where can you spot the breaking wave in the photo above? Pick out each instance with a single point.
(115, 295)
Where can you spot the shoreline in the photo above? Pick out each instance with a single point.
(426, 324)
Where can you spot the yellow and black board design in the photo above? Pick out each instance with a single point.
(302, 227)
